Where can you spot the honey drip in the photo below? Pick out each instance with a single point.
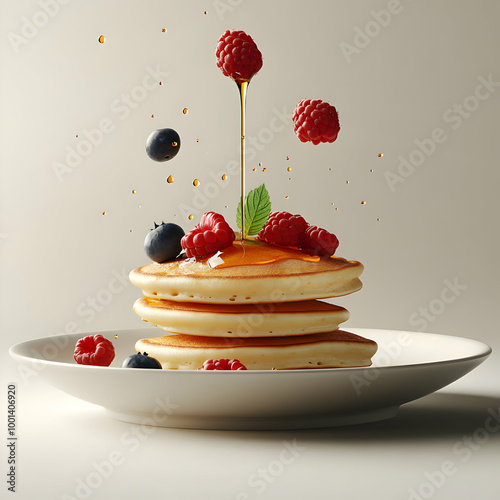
(255, 253)
(242, 86)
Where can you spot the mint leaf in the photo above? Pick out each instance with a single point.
(257, 210)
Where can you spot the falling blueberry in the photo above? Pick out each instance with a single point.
(163, 144)
(163, 243)
(141, 360)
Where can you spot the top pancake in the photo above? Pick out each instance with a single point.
(250, 273)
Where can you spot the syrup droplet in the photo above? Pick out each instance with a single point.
(287, 157)
(260, 164)
(254, 169)
(196, 182)
(197, 140)
(371, 169)
(336, 208)
(104, 213)
(289, 169)
(116, 336)
(191, 217)
(170, 179)
(102, 39)
(224, 177)
(347, 182)
(174, 144)
(185, 111)
(363, 203)
(134, 191)
(164, 30)
(264, 169)
(286, 197)
(152, 116)
(380, 155)
(205, 12)
(378, 219)
(160, 83)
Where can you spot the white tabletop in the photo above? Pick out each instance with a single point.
(444, 446)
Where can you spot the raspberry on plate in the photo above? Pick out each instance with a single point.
(212, 234)
(315, 121)
(318, 241)
(94, 350)
(238, 56)
(283, 228)
(222, 364)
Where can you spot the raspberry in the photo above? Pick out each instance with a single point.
(94, 350)
(222, 364)
(315, 121)
(318, 241)
(209, 236)
(238, 56)
(283, 228)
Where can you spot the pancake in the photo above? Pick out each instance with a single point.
(339, 349)
(242, 320)
(252, 273)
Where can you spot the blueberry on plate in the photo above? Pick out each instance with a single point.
(163, 144)
(141, 360)
(163, 243)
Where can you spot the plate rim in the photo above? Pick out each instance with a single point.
(484, 351)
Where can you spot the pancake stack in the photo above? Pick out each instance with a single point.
(254, 302)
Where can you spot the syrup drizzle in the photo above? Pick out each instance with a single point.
(242, 86)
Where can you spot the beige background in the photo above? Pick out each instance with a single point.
(416, 81)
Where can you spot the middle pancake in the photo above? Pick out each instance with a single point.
(242, 320)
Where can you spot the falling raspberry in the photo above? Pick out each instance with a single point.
(315, 121)
(238, 56)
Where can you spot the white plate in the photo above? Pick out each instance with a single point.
(406, 367)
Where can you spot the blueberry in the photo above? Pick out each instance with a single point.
(163, 144)
(163, 243)
(141, 360)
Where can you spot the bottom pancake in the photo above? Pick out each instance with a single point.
(338, 349)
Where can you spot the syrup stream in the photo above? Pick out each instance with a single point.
(242, 86)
